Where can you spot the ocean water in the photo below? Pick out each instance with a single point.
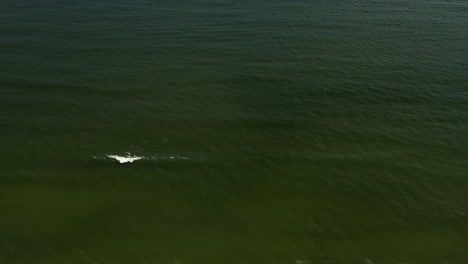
(270, 132)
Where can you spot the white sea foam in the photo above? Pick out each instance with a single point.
(130, 159)
(169, 158)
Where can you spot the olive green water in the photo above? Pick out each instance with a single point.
(272, 132)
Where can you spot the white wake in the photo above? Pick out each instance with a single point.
(131, 158)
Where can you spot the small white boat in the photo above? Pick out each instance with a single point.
(123, 159)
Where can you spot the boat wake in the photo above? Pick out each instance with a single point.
(132, 158)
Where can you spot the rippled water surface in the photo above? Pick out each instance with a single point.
(269, 132)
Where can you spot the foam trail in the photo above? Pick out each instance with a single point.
(130, 159)
(169, 158)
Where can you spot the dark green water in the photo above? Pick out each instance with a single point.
(272, 132)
